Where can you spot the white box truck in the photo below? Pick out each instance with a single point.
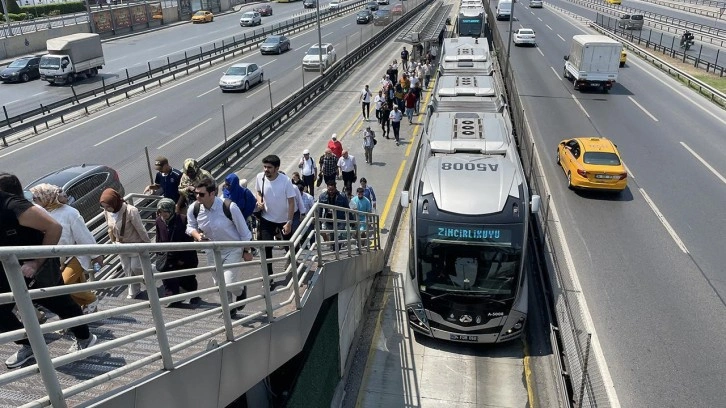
(70, 57)
(504, 9)
(593, 62)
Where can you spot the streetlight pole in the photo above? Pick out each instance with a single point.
(320, 38)
(509, 42)
(7, 18)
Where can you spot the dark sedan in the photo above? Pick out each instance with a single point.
(372, 6)
(264, 10)
(382, 17)
(21, 70)
(364, 17)
(83, 185)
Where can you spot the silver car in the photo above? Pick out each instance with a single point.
(275, 44)
(241, 77)
(250, 18)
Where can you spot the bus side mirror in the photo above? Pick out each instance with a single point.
(404, 199)
(535, 203)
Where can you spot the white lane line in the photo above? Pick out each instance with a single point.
(577, 291)
(663, 221)
(642, 108)
(190, 130)
(326, 35)
(39, 93)
(699, 104)
(262, 88)
(556, 73)
(563, 40)
(125, 131)
(296, 68)
(347, 25)
(540, 52)
(548, 26)
(539, 19)
(13, 101)
(211, 90)
(578, 104)
(705, 163)
(302, 47)
(264, 65)
(630, 172)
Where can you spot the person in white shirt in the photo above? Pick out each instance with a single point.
(211, 223)
(308, 170)
(75, 232)
(365, 99)
(276, 200)
(379, 100)
(348, 169)
(369, 142)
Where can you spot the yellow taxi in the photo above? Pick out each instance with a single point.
(592, 163)
(202, 16)
(623, 58)
(613, 2)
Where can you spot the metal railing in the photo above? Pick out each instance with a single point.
(306, 251)
(692, 10)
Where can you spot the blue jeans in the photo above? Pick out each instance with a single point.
(409, 113)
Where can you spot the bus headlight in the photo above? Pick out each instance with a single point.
(417, 317)
(516, 327)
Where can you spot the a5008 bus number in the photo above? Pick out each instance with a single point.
(469, 166)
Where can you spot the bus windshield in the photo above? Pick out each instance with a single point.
(470, 26)
(470, 259)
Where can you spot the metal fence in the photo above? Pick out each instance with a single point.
(306, 251)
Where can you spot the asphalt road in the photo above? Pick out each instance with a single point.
(657, 306)
(135, 52)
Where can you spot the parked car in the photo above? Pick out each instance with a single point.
(311, 60)
(382, 17)
(397, 10)
(241, 76)
(250, 18)
(524, 36)
(264, 10)
(21, 70)
(364, 17)
(275, 44)
(83, 184)
(372, 6)
(202, 16)
(310, 3)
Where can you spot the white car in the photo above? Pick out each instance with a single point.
(524, 36)
(383, 2)
(334, 5)
(241, 76)
(250, 18)
(535, 3)
(311, 60)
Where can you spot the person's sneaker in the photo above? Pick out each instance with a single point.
(20, 357)
(91, 307)
(195, 300)
(79, 345)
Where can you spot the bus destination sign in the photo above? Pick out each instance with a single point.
(463, 233)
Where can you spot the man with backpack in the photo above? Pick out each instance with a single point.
(308, 171)
(211, 218)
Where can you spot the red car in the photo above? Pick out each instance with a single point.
(397, 10)
(264, 10)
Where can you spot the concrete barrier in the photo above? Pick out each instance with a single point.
(34, 42)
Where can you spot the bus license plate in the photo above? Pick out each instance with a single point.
(463, 337)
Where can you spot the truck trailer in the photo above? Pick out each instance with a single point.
(593, 62)
(71, 57)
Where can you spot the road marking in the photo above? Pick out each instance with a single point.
(557, 74)
(16, 100)
(548, 26)
(643, 109)
(190, 130)
(211, 90)
(393, 194)
(705, 163)
(125, 131)
(540, 52)
(561, 37)
(325, 35)
(578, 104)
(264, 65)
(663, 221)
(539, 19)
(347, 25)
(630, 172)
(699, 104)
(262, 88)
(40, 93)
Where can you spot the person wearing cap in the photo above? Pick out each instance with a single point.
(308, 171)
(369, 142)
(166, 181)
(335, 146)
(396, 117)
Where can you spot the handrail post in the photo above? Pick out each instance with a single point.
(266, 285)
(156, 313)
(32, 329)
(292, 253)
(318, 238)
(219, 277)
(335, 233)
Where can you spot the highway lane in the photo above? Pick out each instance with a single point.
(135, 51)
(187, 113)
(658, 311)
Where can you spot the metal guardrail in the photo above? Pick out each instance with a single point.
(306, 252)
(692, 10)
(157, 72)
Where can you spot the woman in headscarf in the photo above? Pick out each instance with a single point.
(239, 194)
(170, 227)
(74, 232)
(192, 173)
(124, 227)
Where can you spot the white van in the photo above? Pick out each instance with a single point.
(504, 9)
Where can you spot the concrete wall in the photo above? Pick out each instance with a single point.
(351, 306)
(34, 42)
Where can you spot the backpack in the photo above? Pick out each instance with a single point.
(225, 208)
